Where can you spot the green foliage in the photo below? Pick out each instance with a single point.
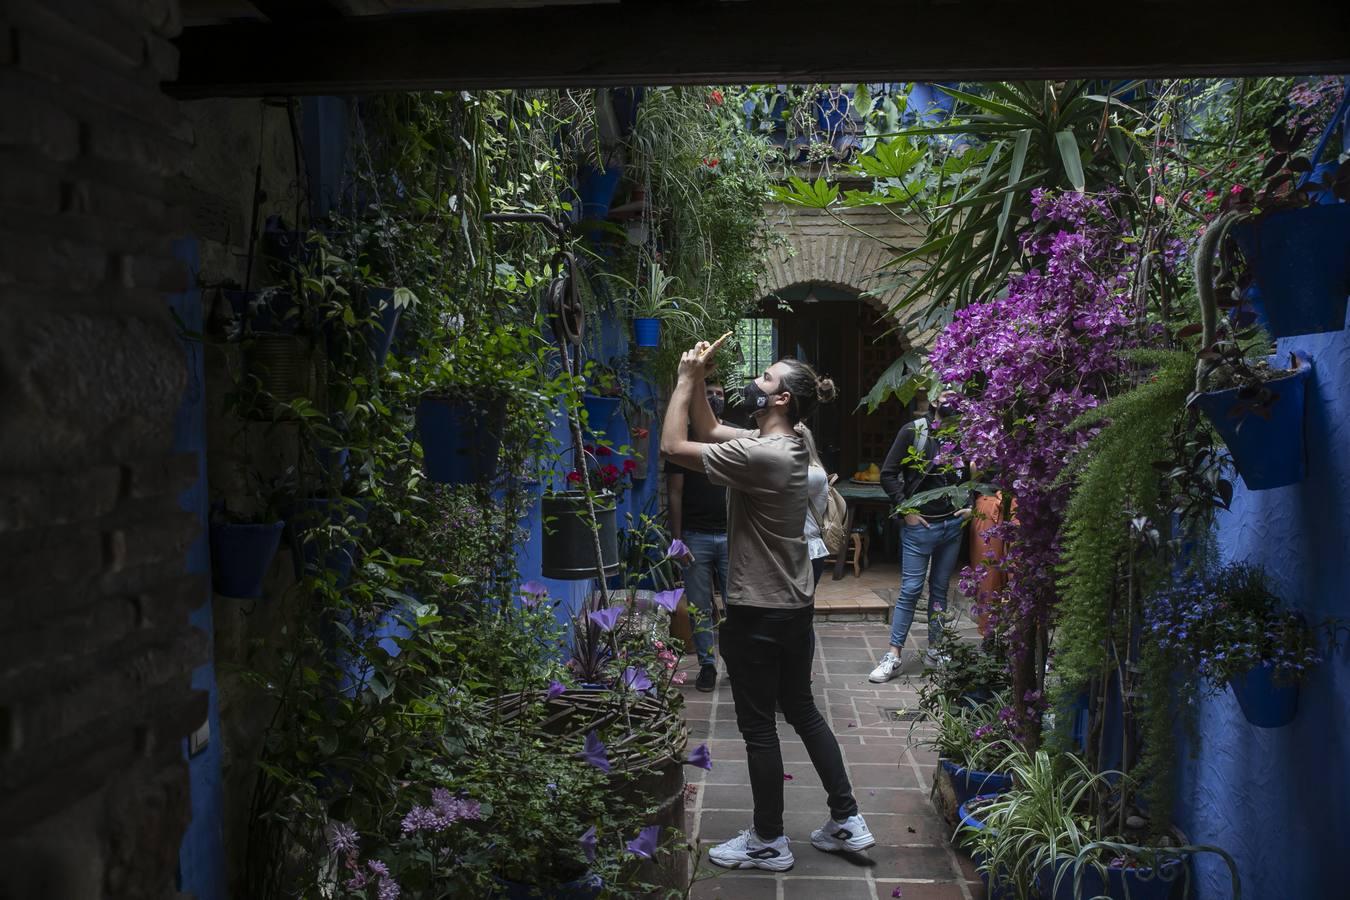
(1116, 480)
(973, 735)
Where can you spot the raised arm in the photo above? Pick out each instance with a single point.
(675, 443)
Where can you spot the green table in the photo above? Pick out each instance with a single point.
(856, 495)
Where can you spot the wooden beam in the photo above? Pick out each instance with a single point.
(759, 41)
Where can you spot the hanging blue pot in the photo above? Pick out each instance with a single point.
(595, 190)
(241, 556)
(1000, 890)
(968, 783)
(1136, 883)
(459, 441)
(317, 547)
(647, 332)
(1268, 451)
(599, 411)
(587, 887)
(1265, 702)
(379, 334)
(1300, 263)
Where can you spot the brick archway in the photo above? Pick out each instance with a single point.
(820, 249)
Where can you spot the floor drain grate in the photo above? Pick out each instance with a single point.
(899, 714)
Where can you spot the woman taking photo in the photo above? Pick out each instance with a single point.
(767, 638)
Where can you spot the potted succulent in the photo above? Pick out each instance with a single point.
(1255, 404)
(1229, 628)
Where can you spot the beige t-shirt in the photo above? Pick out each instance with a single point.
(766, 506)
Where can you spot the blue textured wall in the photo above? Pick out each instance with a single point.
(1275, 798)
(201, 856)
(602, 344)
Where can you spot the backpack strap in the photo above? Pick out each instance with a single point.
(920, 435)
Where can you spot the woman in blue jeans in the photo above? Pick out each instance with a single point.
(930, 539)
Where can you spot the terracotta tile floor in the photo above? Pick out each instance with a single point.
(890, 778)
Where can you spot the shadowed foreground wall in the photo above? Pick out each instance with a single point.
(96, 649)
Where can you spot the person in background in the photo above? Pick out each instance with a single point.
(768, 636)
(930, 538)
(698, 517)
(818, 492)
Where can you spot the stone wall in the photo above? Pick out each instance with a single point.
(95, 645)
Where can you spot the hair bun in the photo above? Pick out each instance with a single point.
(825, 391)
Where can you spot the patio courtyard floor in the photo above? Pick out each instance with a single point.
(891, 778)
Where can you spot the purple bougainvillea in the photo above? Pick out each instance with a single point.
(1032, 361)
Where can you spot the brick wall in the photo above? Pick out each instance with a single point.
(95, 647)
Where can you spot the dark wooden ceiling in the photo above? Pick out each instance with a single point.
(240, 48)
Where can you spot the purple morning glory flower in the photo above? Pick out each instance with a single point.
(644, 845)
(668, 600)
(594, 752)
(700, 757)
(531, 592)
(637, 679)
(588, 843)
(556, 689)
(606, 618)
(678, 549)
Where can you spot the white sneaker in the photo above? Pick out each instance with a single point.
(747, 851)
(887, 669)
(934, 658)
(852, 835)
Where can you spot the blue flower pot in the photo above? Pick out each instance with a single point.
(595, 190)
(241, 556)
(1000, 890)
(1300, 261)
(316, 550)
(647, 332)
(1268, 452)
(586, 887)
(379, 335)
(969, 783)
(459, 442)
(1135, 883)
(1265, 703)
(599, 411)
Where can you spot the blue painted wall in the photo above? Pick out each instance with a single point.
(1275, 798)
(201, 856)
(602, 344)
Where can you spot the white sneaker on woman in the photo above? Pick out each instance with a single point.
(852, 835)
(887, 669)
(747, 851)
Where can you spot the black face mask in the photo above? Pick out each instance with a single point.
(718, 404)
(948, 410)
(755, 398)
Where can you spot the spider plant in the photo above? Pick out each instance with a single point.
(1043, 833)
(653, 296)
(971, 735)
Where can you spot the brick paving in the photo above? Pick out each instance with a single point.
(890, 776)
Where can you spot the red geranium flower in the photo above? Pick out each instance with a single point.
(603, 451)
(574, 478)
(716, 97)
(629, 467)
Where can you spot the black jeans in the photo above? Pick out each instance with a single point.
(768, 655)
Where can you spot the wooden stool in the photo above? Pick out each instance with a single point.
(855, 551)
